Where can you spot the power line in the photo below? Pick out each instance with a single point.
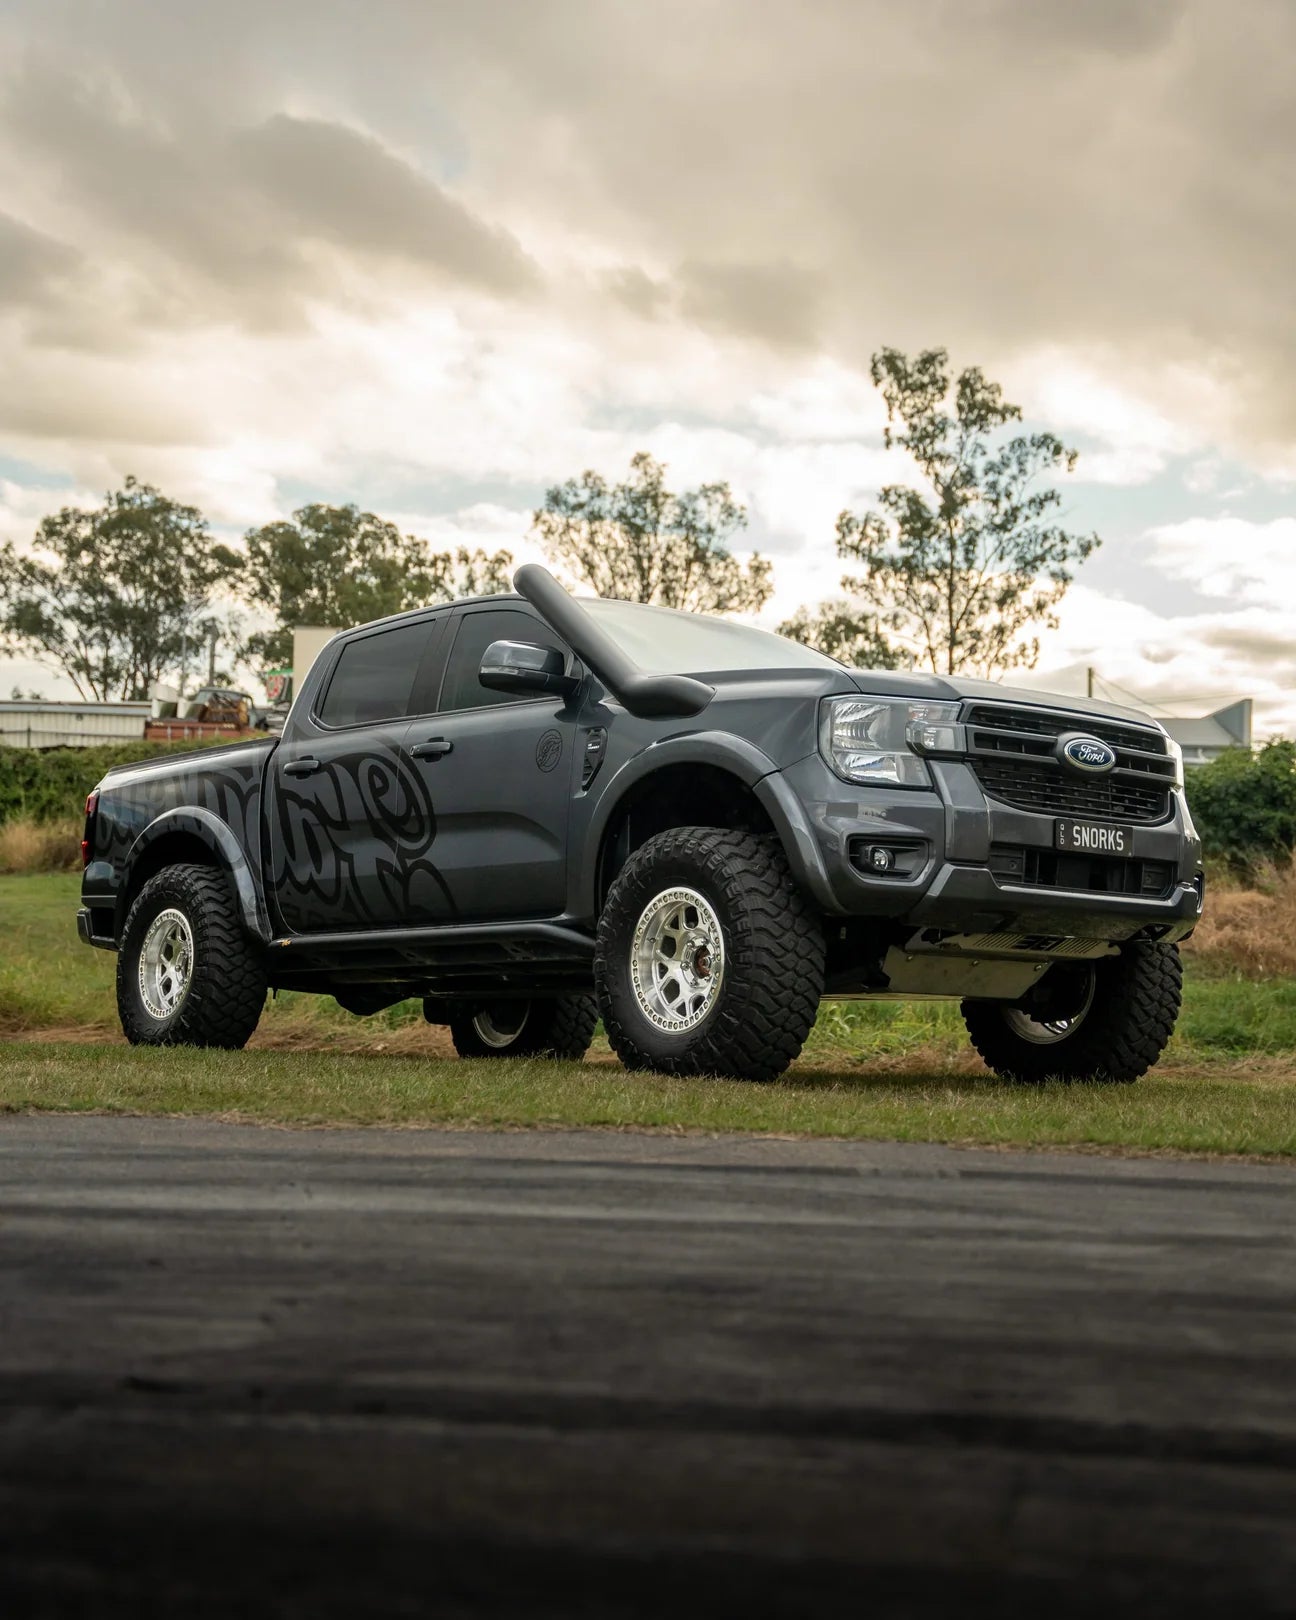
(1124, 691)
(1224, 697)
(1191, 697)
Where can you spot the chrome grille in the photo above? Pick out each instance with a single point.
(1012, 751)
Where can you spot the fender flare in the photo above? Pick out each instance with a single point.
(749, 765)
(220, 839)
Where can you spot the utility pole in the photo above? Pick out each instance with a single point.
(211, 659)
(1089, 672)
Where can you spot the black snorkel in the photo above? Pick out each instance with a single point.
(650, 697)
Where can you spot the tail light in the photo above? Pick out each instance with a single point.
(88, 833)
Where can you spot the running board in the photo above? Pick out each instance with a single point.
(459, 947)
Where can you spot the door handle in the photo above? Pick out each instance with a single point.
(433, 748)
(303, 766)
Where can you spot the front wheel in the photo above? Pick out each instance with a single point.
(557, 1027)
(709, 958)
(1103, 1021)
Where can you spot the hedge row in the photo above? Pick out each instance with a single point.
(51, 784)
(1244, 805)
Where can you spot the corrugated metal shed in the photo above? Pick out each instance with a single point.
(27, 723)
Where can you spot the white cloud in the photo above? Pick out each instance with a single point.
(1136, 434)
(1232, 557)
(826, 401)
(254, 255)
(22, 506)
(1185, 664)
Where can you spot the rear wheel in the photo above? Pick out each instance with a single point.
(557, 1027)
(1104, 1021)
(187, 973)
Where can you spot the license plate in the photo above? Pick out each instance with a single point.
(1094, 838)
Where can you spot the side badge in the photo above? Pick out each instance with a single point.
(549, 750)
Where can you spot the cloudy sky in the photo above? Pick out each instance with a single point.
(432, 257)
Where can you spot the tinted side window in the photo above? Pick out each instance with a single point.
(462, 688)
(375, 675)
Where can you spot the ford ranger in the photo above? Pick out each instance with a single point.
(533, 811)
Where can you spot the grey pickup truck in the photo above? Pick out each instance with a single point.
(534, 811)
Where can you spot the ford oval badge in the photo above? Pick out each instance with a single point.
(1089, 755)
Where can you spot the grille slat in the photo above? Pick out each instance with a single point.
(1049, 724)
(1012, 755)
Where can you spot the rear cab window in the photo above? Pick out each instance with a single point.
(376, 675)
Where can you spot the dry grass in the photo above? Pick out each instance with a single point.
(1249, 931)
(39, 846)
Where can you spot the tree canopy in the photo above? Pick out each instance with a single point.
(114, 596)
(337, 565)
(956, 574)
(640, 542)
(846, 631)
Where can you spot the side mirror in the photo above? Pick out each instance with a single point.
(521, 667)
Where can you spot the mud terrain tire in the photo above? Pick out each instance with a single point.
(1123, 1030)
(744, 1012)
(187, 973)
(558, 1027)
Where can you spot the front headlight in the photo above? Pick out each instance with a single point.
(878, 740)
(1176, 754)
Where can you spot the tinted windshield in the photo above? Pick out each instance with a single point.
(664, 642)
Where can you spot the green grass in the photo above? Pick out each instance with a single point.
(50, 981)
(1177, 1111)
(1238, 1017)
(894, 1070)
(45, 977)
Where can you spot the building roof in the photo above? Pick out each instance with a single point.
(69, 706)
(1204, 733)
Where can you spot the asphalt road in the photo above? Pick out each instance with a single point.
(326, 1373)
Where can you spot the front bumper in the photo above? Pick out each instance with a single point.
(974, 901)
(951, 832)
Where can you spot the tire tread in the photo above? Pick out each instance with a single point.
(774, 953)
(560, 1027)
(1136, 1006)
(228, 988)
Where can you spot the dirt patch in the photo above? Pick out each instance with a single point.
(53, 1035)
(409, 1040)
(417, 1040)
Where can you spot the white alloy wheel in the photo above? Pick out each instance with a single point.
(677, 960)
(165, 963)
